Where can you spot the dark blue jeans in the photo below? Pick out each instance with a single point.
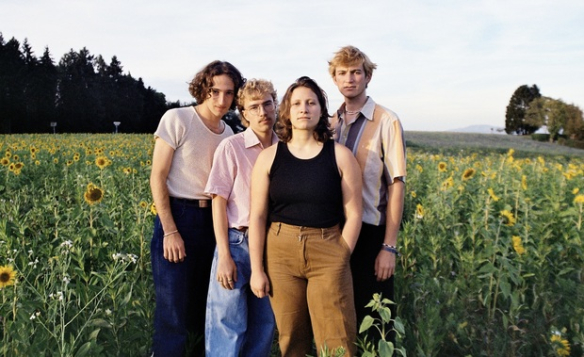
(181, 288)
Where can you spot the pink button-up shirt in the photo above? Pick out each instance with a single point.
(230, 175)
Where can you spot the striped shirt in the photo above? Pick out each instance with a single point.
(376, 139)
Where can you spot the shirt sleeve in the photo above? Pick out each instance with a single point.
(171, 129)
(395, 151)
(223, 171)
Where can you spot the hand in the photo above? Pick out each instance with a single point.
(226, 272)
(174, 248)
(259, 283)
(384, 265)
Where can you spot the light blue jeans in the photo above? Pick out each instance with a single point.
(237, 322)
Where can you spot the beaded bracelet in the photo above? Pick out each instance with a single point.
(170, 233)
(390, 248)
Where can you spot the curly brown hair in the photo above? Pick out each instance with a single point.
(323, 131)
(254, 89)
(202, 83)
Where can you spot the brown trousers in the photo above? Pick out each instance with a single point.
(311, 289)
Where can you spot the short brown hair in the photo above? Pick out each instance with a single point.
(323, 131)
(254, 89)
(202, 83)
(350, 56)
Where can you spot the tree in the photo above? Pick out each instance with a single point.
(574, 127)
(516, 109)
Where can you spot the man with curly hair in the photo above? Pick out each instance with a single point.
(239, 323)
(183, 240)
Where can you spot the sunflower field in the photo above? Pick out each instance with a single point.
(491, 250)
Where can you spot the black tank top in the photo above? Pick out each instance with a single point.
(306, 192)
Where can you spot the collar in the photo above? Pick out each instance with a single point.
(367, 110)
(251, 139)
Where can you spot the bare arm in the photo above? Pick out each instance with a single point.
(174, 249)
(385, 262)
(260, 184)
(351, 183)
(226, 268)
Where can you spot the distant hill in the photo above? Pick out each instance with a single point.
(456, 142)
(483, 129)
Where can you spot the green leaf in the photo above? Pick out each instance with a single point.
(83, 350)
(385, 348)
(366, 324)
(385, 314)
(399, 326)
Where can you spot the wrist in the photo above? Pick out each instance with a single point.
(390, 248)
(167, 234)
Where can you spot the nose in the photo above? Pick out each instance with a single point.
(223, 101)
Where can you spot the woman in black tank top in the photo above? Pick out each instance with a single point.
(308, 188)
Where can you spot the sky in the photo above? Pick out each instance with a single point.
(441, 64)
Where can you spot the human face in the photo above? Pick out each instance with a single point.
(305, 109)
(260, 113)
(221, 96)
(351, 81)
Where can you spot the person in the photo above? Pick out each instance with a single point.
(375, 136)
(183, 241)
(238, 323)
(305, 186)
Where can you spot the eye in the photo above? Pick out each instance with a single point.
(253, 108)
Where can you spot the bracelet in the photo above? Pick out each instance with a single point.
(390, 248)
(170, 233)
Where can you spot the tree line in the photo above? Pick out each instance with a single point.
(528, 111)
(82, 93)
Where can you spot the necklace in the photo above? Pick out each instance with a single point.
(352, 112)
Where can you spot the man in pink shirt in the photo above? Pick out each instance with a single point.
(237, 322)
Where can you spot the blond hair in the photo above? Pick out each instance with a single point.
(254, 89)
(351, 56)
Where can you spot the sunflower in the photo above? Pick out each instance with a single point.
(442, 166)
(93, 194)
(492, 194)
(508, 218)
(153, 209)
(11, 167)
(143, 204)
(7, 276)
(575, 190)
(561, 346)
(518, 245)
(468, 174)
(419, 211)
(4, 161)
(101, 161)
(449, 182)
(127, 170)
(579, 199)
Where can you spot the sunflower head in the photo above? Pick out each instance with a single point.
(101, 161)
(468, 174)
(4, 161)
(579, 199)
(93, 194)
(518, 245)
(561, 346)
(508, 218)
(7, 276)
(442, 166)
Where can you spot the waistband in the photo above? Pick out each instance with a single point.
(190, 202)
(302, 229)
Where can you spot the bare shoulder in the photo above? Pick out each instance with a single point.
(266, 157)
(342, 152)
